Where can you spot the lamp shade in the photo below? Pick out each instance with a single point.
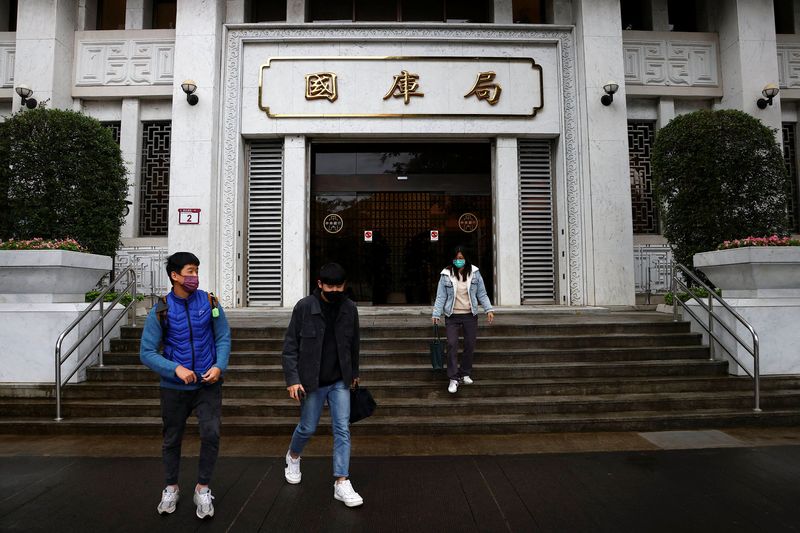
(189, 86)
(611, 87)
(770, 90)
(23, 91)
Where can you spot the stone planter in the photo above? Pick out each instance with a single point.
(762, 283)
(49, 276)
(41, 293)
(754, 271)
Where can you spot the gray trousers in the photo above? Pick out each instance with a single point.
(469, 323)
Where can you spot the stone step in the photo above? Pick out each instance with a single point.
(614, 369)
(486, 343)
(432, 388)
(410, 425)
(498, 356)
(456, 404)
(425, 329)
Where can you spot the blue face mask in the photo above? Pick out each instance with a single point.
(459, 263)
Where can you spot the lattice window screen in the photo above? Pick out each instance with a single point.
(641, 136)
(115, 126)
(790, 158)
(264, 223)
(536, 222)
(154, 191)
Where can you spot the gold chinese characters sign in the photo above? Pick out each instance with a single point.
(400, 86)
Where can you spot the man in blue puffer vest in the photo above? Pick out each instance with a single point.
(196, 342)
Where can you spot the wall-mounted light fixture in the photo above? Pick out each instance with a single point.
(189, 87)
(770, 91)
(127, 209)
(25, 93)
(610, 88)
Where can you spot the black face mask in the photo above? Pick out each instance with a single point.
(333, 296)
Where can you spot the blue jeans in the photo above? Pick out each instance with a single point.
(338, 396)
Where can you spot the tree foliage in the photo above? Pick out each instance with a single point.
(61, 176)
(719, 175)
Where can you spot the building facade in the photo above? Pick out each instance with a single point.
(380, 134)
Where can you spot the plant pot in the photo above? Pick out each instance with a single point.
(49, 276)
(753, 271)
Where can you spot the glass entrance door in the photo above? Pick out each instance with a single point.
(391, 214)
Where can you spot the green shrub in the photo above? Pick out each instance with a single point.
(699, 292)
(111, 296)
(61, 176)
(718, 175)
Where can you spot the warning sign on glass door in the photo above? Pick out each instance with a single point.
(368, 235)
(434, 235)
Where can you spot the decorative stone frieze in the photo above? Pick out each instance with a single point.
(7, 53)
(133, 62)
(671, 62)
(789, 65)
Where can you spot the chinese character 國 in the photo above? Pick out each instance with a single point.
(321, 85)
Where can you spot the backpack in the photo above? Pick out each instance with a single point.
(161, 313)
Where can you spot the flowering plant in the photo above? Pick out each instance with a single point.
(43, 244)
(759, 241)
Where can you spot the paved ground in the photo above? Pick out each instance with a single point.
(721, 481)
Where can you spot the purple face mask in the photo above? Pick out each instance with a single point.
(190, 283)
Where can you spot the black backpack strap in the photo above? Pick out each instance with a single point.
(161, 313)
(213, 303)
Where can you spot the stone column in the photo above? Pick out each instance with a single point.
(130, 144)
(605, 188)
(295, 220)
(503, 12)
(660, 15)
(748, 54)
(506, 223)
(236, 11)
(666, 111)
(87, 15)
(138, 14)
(44, 53)
(194, 172)
(295, 11)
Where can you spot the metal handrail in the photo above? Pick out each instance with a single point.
(712, 317)
(129, 274)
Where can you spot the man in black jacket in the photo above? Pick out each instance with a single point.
(320, 362)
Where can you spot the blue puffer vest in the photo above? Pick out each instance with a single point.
(189, 339)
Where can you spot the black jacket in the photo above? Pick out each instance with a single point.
(302, 345)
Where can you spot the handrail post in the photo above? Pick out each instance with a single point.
(133, 303)
(710, 326)
(102, 333)
(756, 376)
(58, 384)
(674, 293)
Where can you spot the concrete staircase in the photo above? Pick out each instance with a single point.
(534, 372)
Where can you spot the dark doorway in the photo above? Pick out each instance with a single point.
(400, 192)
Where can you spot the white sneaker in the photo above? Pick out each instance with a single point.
(202, 500)
(466, 380)
(453, 387)
(169, 500)
(292, 471)
(344, 492)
